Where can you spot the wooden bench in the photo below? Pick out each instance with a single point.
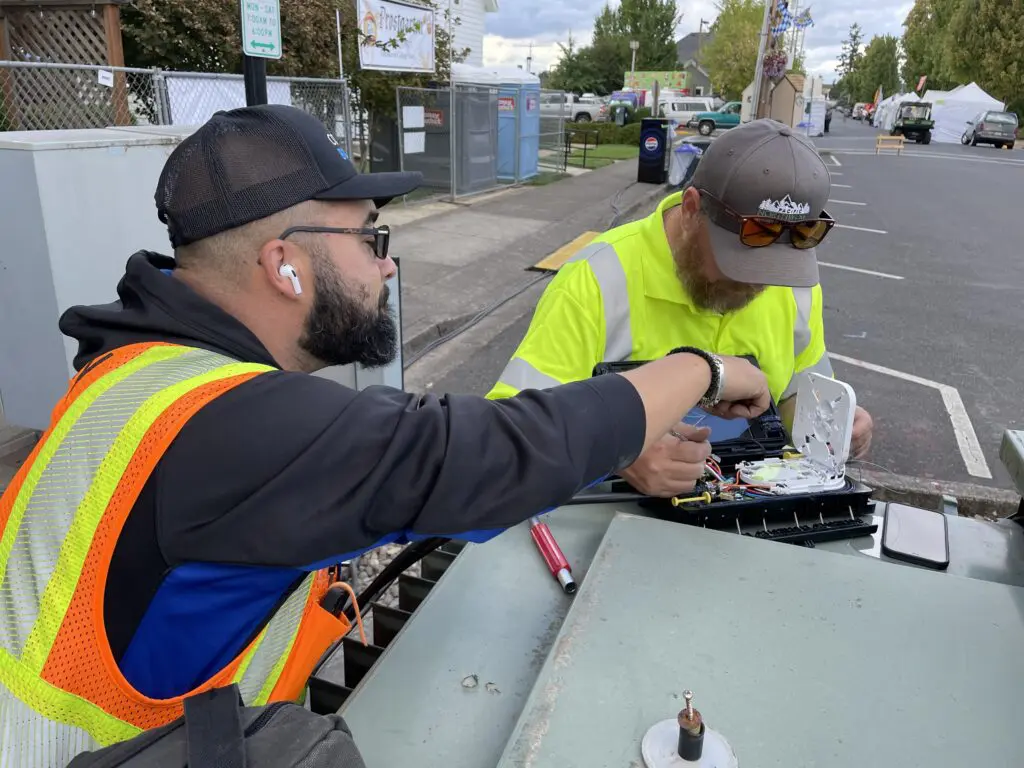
(885, 141)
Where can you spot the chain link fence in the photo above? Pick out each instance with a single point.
(497, 136)
(36, 96)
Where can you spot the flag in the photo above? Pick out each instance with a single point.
(783, 21)
(920, 83)
(878, 96)
(803, 19)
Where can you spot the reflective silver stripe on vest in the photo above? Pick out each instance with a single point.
(276, 638)
(521, 374)
(65, 481)
(802, 327)
(30, 739)
(823, 367)
(611, 279)
(804, 298)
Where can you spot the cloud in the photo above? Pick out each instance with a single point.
(545, 23)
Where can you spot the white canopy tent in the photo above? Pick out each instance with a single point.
(952, 111)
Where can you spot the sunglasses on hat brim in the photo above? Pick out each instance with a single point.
(760, 231)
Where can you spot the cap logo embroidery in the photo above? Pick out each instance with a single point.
(341, 152)
(330, 138)
(786, 208)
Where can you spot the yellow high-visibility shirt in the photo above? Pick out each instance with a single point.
(620, 299)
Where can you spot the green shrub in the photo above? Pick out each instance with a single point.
(639, 115)
(629, 134)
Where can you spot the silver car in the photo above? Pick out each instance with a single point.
(996, 128)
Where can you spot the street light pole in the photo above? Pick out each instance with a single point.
(633, 46)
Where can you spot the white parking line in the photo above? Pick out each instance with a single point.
(963, 430)
(843, 186)
(862, 229)
(836, 160)
(861, 271)
(834, 173)
(845, 202)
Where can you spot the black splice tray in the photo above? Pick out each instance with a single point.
(765, 437)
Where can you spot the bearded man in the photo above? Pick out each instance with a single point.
(178, 526)
(727, 265)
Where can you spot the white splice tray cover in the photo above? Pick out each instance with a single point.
(822, 431)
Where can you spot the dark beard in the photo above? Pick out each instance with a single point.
(340, 330)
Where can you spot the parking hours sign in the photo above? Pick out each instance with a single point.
(261, 28)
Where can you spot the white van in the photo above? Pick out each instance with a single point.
(681, 109)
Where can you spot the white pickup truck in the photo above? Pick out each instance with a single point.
(571, 107)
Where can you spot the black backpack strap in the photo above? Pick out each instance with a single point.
(213, 724)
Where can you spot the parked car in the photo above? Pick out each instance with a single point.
(726, 116)
(996, 128)
(569, 106)
(858, 112)
(684, 108)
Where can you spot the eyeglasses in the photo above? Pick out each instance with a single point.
(759, 231)
(381, 235)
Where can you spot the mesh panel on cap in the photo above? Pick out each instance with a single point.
(236, 169)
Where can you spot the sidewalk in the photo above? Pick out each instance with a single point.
(464, 257)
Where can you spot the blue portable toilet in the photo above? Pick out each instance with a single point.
(518, 117)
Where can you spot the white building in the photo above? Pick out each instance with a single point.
(470, 31)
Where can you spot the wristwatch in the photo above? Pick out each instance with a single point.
(714, 394)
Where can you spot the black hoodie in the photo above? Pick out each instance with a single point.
(290, 471)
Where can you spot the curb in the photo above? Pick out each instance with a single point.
(415, 344)
(972, 500)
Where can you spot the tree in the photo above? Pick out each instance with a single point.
(878, 68)
(653, 23)
(600, 66)
(203, 36)
(926, 43)
(848, 86)
(731, 56)
(989, 48)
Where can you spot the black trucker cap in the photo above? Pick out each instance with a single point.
(763, 168)
(246, 164)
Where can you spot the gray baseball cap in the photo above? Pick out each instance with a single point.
(762, 168)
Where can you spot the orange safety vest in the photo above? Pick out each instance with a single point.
(61, 691)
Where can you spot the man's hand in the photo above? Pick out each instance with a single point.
(746, 392)
(671, 465)
(860, 442)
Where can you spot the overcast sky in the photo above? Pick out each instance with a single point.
(548, 22)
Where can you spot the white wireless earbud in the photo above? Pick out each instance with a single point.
(287, 270)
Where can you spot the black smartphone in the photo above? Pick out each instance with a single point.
(915, 535)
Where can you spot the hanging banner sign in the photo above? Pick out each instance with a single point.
(406, 29)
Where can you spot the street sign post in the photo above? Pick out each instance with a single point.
(261, 40)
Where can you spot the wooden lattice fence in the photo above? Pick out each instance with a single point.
(65, 32)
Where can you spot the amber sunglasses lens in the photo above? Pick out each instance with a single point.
(758, 233)
(808, 234)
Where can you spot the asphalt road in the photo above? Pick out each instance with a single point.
(941, 219)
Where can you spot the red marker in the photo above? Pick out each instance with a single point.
(552, 555)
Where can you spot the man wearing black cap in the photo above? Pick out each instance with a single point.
(728, 265)
(176, 527)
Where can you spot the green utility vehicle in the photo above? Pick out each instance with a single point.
(914, 121)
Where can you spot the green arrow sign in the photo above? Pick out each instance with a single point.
(261, 28)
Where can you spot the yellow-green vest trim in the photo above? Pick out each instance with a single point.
(620, 299)
(56, 508)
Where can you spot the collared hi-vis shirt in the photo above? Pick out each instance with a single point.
(620, 299)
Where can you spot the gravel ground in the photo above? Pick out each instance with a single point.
(372, 563)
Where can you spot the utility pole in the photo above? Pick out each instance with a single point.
(760, 81)
(529, 58)
(633, 46)
(700, 40)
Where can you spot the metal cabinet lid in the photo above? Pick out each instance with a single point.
(81, 138)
